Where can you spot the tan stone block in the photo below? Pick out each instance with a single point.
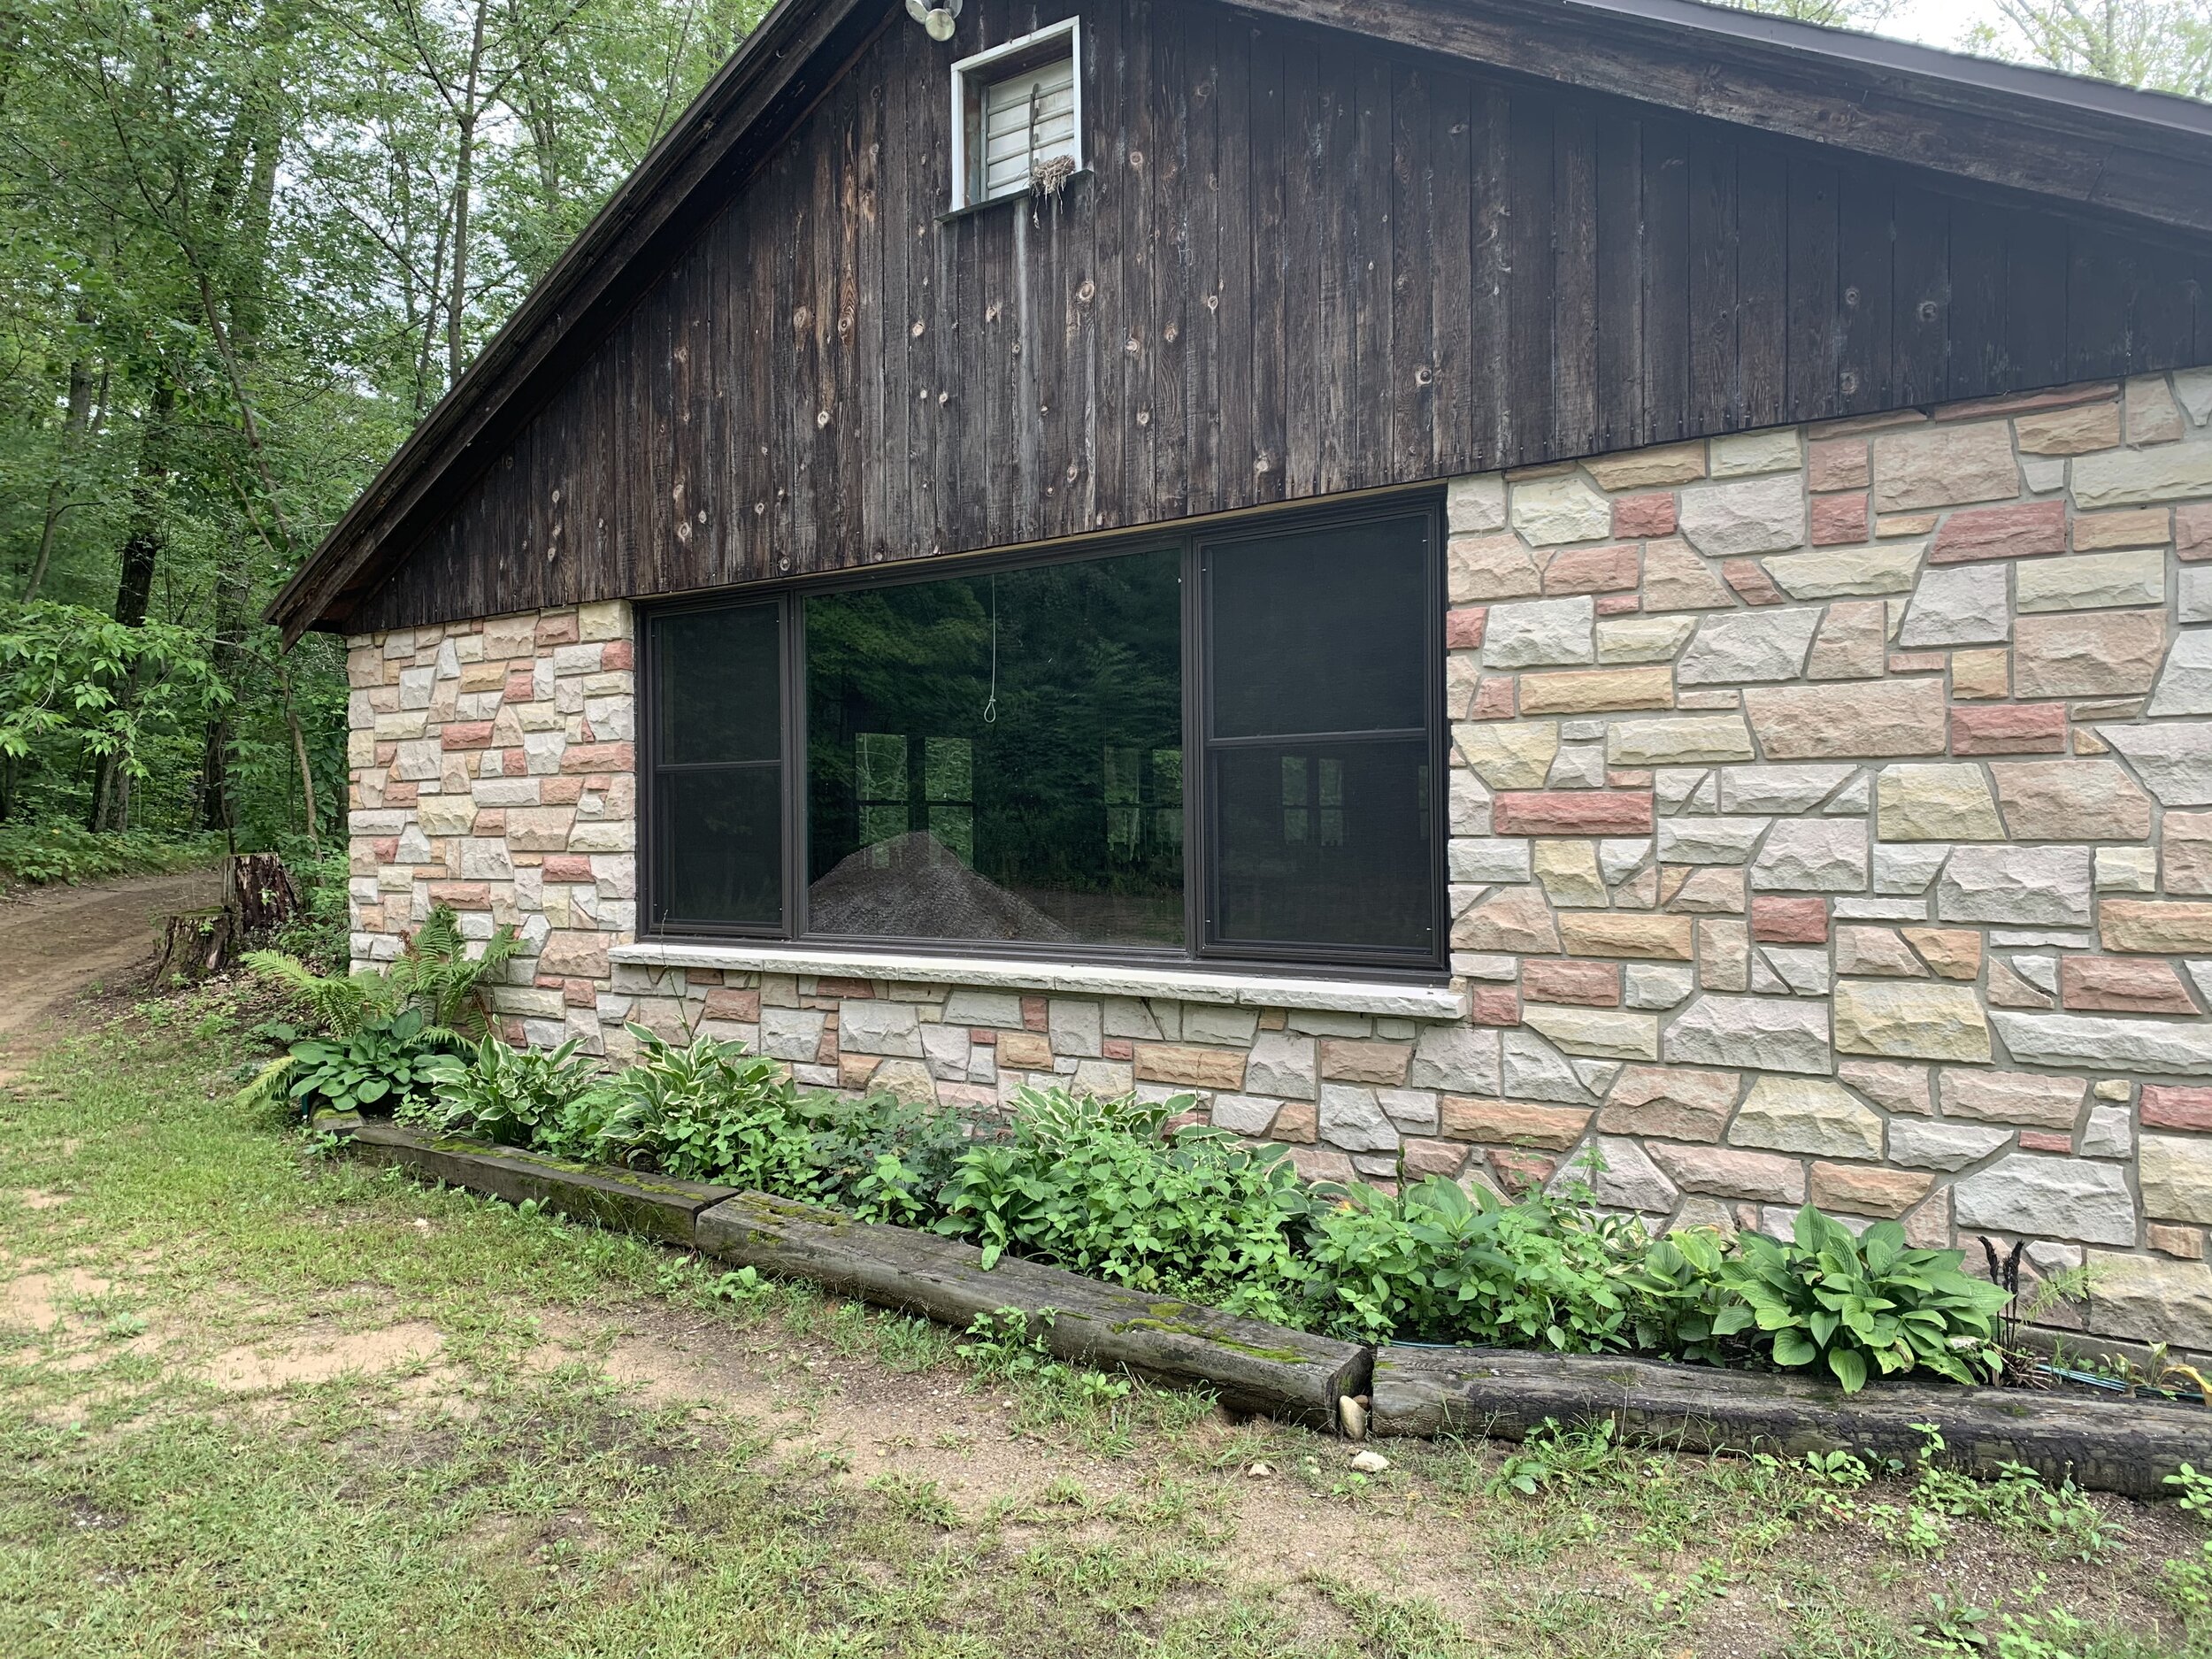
(1955, 953)
(1806, 1114)
(1759, 1175)
(1644, 469)
(2007, 989)
(1894, 1088)
(1838, 464)
(1589, 691)
(2155, 929)
(1613, 934)
(1855, 1190)
(1345, 1060)
(1178, 1062)
(1597, 1033)
(1981, 675)
(1673, 1102)
(1031, 1051)
(2186, 1243)
(1508, 1123)
(1676, 579)
(2175, 1175)
(2187, 852)
(1849, 572)
(1686, 741)
(2071, 801)
(1852, 640)
(1480, 567)
(1568, 872)
(1809, 723)
(2129, 526)
(2153, 415)
(1905, 1019)
(1902, 524)
(1509, 757)
(1876, 952)
(1935, 803)
(2091, 581)
(1724, 954)
(1944, 465)
(1513, 920)
(2026, 1098)
(2074, 431)
(2114, 652)
(1713, 890)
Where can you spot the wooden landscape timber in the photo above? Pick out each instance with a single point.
(2123, 1446)
(1250, 1365)
(657, 1205)
(2127, 1447)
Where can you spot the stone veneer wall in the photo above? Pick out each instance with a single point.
(1831, 817)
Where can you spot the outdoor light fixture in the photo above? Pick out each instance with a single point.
(936, 16)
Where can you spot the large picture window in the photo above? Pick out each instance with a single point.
(1211, 746)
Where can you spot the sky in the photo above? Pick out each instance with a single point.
(1937, 22)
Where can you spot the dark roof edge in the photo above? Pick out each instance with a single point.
(2184, 116)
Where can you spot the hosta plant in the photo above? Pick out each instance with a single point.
(385, 1065)
(1857, 1306)
(707, 1112)
(523, 1097)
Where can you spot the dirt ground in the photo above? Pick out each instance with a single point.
(57, 942)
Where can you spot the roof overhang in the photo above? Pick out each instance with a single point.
(2143, 158)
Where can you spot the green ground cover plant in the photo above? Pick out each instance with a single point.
(1120, 1190)
(62, 849)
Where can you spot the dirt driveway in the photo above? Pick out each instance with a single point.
(56, 942)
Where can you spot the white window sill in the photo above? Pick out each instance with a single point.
(1076, 978)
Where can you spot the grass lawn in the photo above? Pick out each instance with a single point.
(255, 1400)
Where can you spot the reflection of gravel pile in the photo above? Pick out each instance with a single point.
(915, 887)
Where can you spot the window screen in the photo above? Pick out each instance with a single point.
(1317, 738)
(718, 766)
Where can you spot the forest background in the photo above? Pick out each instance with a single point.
(246, 246)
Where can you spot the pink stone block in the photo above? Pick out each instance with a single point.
(2000, 532)
(2032, 728)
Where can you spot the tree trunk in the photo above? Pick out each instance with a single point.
(464, 180)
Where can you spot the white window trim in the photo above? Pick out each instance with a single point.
(1082, 978)
(978, 67)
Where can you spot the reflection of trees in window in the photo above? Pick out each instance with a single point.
(1072, 797)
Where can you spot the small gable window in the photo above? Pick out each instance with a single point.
(1018, 116)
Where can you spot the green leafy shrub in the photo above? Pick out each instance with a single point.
(1679, 1303)
(523, 1097)
(1435, 1263)
(1861, 1305)
(883, 1158)
(382, 1065)
(709, 1111)
(62, 849)
(1092, 1185)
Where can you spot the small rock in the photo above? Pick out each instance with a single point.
(1352, 1413)
(1370, 1462)
(1261, 1472)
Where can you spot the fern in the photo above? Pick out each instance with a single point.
(434, 975)
(267, 1087)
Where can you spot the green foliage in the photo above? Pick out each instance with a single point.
(1864, 1304)
(435, 978)
(382, 1065)
(1681, 1302)
(707, 1112)
(62, 849)
(524, 1097)
(1552, 1456)
(1090, 1184)
(1437, 1264)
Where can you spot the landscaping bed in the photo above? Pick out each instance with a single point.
(2127, 1447)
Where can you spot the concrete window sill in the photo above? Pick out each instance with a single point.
(1074, 978)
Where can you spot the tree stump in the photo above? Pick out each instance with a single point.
(197, 943)
(258, 898)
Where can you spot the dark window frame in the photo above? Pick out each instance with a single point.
(1201, 948)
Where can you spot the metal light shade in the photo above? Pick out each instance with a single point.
(936, 16)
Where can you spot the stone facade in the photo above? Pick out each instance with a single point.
(1831, 818)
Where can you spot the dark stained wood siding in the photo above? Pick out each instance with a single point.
(1301, 265)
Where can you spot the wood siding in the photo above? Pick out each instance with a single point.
(1300, 264)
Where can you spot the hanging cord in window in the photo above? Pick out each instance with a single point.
(990, 705)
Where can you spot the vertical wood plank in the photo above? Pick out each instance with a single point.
(1575, 282)
(1815, 334)
(1621, 249)
(1273, 252)
(1762, 264)
(1666, 279)
(1921, 299)
(1716, 398)
(1865, 239)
